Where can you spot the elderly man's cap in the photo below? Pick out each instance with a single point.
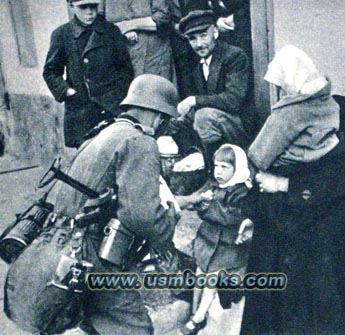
(84, 2)
(197, 20)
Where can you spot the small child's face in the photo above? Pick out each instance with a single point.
(223, 172)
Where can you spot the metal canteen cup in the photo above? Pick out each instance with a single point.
(117, 242)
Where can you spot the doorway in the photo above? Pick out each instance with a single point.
(4, 107)
(262, 36)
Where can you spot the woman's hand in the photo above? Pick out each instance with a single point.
(70, 92)
(270, 183)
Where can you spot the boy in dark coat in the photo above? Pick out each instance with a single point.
(94, 55)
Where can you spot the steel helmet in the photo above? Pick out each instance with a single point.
(152, 92)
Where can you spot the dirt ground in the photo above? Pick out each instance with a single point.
(18, 190)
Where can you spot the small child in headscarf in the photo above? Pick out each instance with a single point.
(219, 243)
(303, 123)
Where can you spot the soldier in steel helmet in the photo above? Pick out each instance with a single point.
(124, 156)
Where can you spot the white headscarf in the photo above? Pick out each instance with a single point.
(241, 173)
(295, 72)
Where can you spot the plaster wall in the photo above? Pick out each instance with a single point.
(46, 15)
(31, 121)
(317, 27)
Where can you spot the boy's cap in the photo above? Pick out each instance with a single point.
(84, 2)
(197, 20)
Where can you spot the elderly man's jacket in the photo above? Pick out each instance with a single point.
(100, 72)
(227, 86)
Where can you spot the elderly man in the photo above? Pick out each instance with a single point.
(218, 107)
(94, 55)
(124, 156)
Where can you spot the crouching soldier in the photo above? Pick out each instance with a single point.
(124, 156)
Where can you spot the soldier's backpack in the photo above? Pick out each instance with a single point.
(43, 288)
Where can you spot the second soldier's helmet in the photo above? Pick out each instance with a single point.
(152, 92)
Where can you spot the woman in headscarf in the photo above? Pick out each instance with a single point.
(303, 123)
(300, 216)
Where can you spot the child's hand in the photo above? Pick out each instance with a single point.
(245, 233)
(205, 200)
(208, 195)
(168, 262)
(195, 198)
(189, 201)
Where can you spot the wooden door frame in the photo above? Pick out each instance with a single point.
(262, 28)
(4, 108)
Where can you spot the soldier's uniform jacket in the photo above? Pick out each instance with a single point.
(124, 158)
(97, 66)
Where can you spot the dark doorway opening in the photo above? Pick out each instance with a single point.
(4, 106)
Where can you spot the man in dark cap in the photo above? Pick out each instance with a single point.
(217, 108)
(93, 54)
